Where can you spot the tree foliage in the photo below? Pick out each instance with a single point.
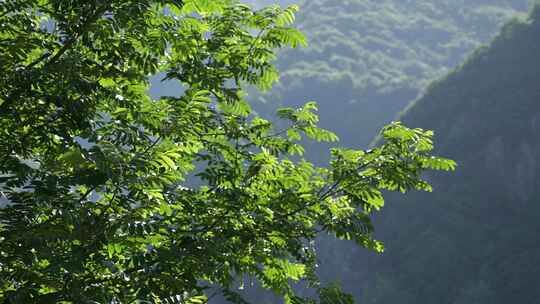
(115, 197)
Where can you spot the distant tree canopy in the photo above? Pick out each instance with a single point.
(115, 197)
(368, 59)
(390, 44)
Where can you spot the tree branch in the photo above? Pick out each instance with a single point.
(323, 194)
(83, 28)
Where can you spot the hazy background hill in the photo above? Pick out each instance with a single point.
(367, 59)
(475, 239)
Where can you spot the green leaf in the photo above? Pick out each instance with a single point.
(294, 135)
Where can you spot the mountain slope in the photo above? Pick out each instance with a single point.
(475, 239)
(368, 59)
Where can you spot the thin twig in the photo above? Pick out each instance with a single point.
(83, 28)
(87, 193)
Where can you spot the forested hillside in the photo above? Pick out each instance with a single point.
(475, 239)
(367, 59)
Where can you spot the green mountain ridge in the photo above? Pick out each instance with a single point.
(474, 240)
(366, 60)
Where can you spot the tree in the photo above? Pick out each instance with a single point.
(115, 197)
